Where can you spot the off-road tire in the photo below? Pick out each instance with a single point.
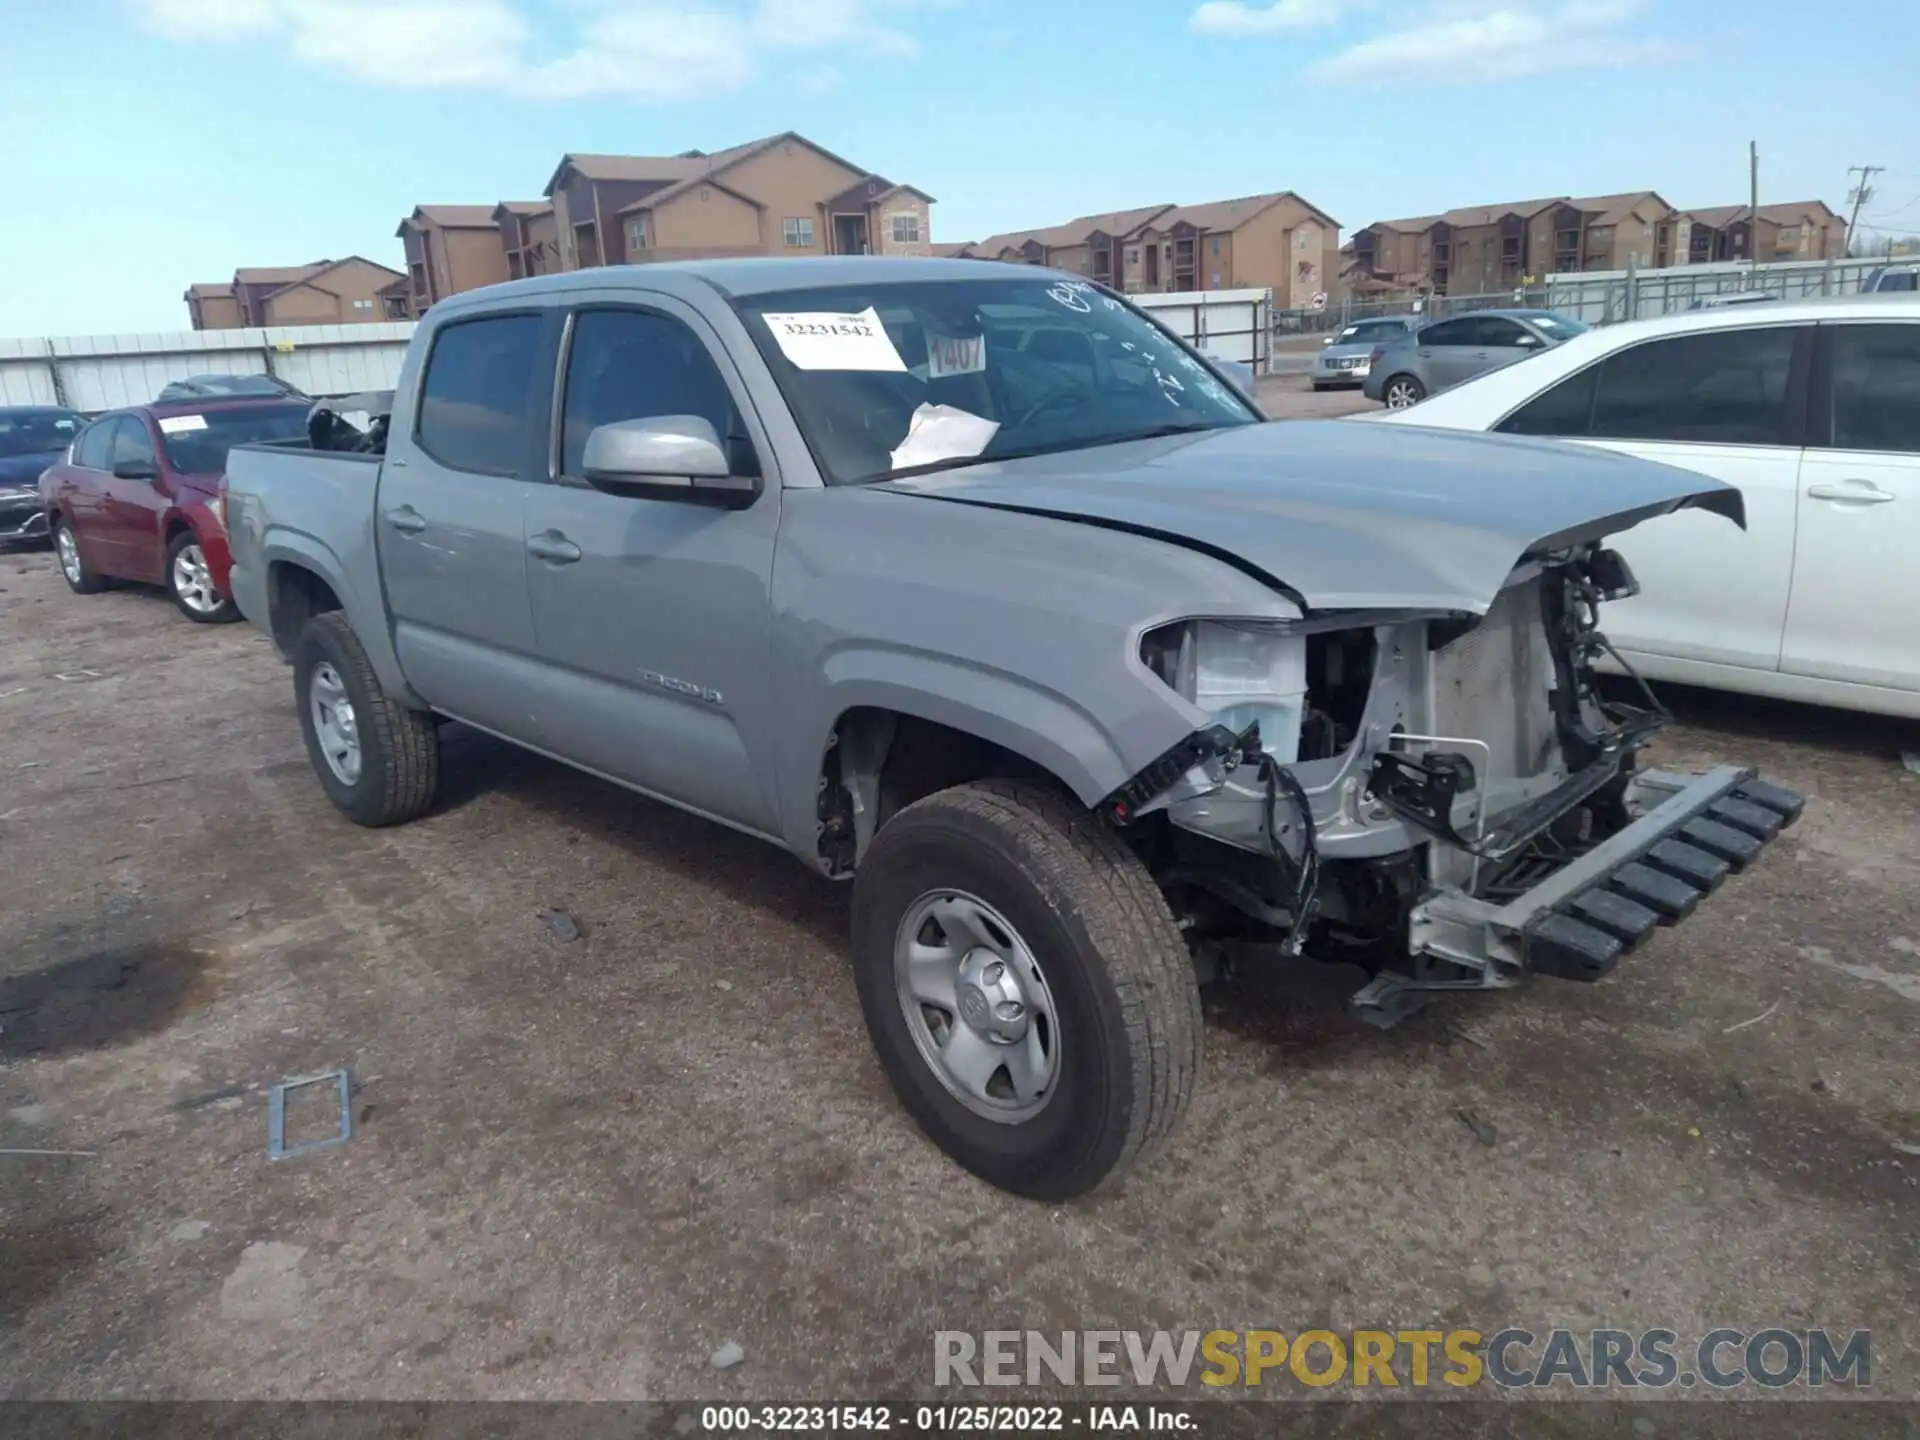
(1120, 976)
(225, 613)
(89, 582)
(400, 749)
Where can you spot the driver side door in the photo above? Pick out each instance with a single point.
(1445, 351)
(132, 505)
(1497, 341)
(652, 616)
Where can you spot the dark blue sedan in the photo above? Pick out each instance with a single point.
(32, 437)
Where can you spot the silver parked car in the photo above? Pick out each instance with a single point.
(1347, 355)
(1458, 348)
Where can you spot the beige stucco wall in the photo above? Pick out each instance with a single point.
(702, 218)
(220, 312)
(793, 181)
(328, 299)
(474, 258)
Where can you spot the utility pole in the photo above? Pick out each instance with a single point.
(1859, 195)
(1753, 213)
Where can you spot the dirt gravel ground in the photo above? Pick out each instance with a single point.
(580, 1167)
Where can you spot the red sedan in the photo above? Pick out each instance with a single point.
(137, 497)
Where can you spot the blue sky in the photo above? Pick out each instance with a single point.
(155, 142)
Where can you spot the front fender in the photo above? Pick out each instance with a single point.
(1018, 629)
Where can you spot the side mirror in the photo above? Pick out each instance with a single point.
(1527, 342)
(135, 470)
(666, 457)
(1327, 340)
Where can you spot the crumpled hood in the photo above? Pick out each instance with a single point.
(1346, 516)
(24, 469)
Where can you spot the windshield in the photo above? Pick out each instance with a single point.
(37, 432)
(1371, 332)
(892, 377)
(1557, 327)
(198, 444)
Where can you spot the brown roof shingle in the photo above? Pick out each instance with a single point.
(1232, 214)
(277, 274)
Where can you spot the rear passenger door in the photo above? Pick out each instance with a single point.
(1727, 403)
(448, 519)
(653, 614)
(1855, 612)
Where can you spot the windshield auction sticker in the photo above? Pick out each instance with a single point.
(955, 355)
(819, 340)
(181, 424)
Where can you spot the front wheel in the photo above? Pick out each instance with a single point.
(1025, 985)
(378, 761)
(73, 565)
(190, 583)
(1402, 392)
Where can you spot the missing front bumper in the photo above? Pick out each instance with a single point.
(1579, 920)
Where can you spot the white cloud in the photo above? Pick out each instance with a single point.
(650, 50)
(209, 19)
(1237, 18)
(1480, 43)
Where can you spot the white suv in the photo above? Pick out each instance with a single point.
(1812, 408)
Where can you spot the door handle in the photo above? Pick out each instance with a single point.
(406, 520)
(553, 547)
(1852, 492)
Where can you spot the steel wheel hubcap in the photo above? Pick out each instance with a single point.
(334, 724)
(192, 583)
(977, 1005)
(69, 554)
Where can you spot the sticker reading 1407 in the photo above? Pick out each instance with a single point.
(821, 340)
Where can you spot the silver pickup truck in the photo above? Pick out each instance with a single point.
(972, 585)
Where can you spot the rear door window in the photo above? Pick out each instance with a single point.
(1719, 387)
(476, 398)
(1564, 409)
(1875, 389)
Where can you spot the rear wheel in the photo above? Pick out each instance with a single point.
(1025, 986)
(378, 761)
(191, 584)
(1403, 391)
(73, 565)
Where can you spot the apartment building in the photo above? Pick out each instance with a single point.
(1275, 241)
(350, 291)
(450, 248)
(782, 195)
(1800, 230)
(1484, 249)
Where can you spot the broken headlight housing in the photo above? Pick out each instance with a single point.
(1240, 672)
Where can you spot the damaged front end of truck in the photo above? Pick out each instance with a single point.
(1452, 803)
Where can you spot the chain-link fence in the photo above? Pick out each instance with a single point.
(1603, 298)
